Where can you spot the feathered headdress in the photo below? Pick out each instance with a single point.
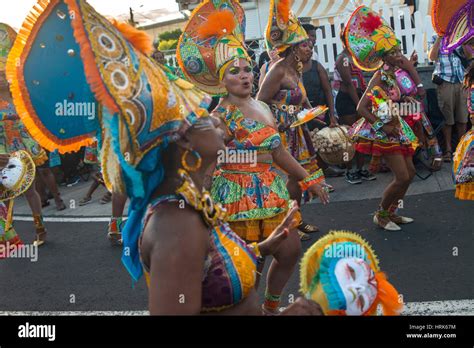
(212, 39)
(368, 38)
(283, 28)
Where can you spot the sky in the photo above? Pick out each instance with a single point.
(15, 12)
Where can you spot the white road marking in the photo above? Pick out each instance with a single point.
(459, 307)
(65, 219)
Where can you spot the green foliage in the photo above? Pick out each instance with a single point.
(170, 35)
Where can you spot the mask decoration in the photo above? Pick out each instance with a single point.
(17, 176)
(368, 37)
(341, 273)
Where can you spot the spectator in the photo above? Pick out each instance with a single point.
(351, 83)
(448, 75)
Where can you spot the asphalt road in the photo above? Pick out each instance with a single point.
(79, 271)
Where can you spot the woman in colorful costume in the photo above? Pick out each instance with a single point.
(460, 31)
(381, 131)
(13, 134)
(157, 144)
(248, 186)
(283, 90)
(342, 274)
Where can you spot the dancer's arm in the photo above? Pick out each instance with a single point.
(290, 165)
(365, 105)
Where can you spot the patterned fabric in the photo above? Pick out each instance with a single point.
(203, 59)
(407, 87)
(229, 268)
(357, 77)
(463, 166)
(448, 66)
(14, 136)
(368, 38)
(371, 139)
(7, 38)
(91, 154)
(283, 27)
(296, 140)
(250, 191)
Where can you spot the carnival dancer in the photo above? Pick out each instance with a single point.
(158, 142)
(247, 185)
(283, 90)
(13, 134)
(382, 132)
(411, 87)
(460, 32)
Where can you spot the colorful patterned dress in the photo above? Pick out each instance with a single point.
(463, 166)
(376, 142)
(254, 194)
(296, 140)
(14, 136)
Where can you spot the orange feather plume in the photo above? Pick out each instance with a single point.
(387, 295)
(218, 24)
(283, 8)
(138, 38)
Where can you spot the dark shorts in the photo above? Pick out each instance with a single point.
(345, 106)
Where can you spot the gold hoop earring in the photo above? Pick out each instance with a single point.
(185, 164)
(299, 64)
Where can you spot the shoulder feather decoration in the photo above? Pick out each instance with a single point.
(220, 23)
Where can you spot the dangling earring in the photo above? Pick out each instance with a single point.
(185, 164)
(299, 64)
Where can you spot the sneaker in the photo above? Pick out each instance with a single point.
(366, 175)
(353, 178)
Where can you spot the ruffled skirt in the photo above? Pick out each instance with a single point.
(256, 198)
(463, 167)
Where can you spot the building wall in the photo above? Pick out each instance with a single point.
(154, 32)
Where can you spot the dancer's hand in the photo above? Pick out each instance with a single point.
(270, 245)
(389, 129)
(302, 306)
(321, 191)
(4, 158)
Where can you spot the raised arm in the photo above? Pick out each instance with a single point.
(434, 51)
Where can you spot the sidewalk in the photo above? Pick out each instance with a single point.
(438, 182)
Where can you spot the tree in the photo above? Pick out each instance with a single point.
(170, 35)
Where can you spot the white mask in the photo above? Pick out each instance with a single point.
(12, 173)
(357, 281)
